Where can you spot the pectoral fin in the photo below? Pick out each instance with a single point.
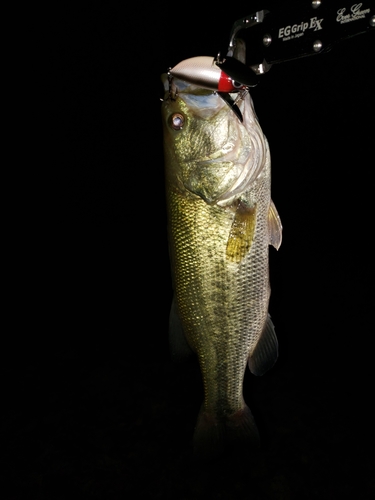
(241, 233)
(275, 227)
(265, 353)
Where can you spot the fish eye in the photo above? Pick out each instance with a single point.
(177, 121)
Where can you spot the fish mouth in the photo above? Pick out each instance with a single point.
(245, 166)
(227, 170)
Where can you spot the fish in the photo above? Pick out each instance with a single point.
(221, 221)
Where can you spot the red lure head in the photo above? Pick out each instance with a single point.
(204, 72)
(227, 84)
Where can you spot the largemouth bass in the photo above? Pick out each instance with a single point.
(221, 221)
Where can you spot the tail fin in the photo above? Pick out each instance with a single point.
(213, 435)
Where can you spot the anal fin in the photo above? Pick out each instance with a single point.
(266, 351)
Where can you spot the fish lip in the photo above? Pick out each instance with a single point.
(256, 156)
(216, 155)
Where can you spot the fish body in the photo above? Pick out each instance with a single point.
(221, 221)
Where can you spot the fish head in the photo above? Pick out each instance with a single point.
(209, 152)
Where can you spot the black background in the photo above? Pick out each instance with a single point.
(94, 406)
